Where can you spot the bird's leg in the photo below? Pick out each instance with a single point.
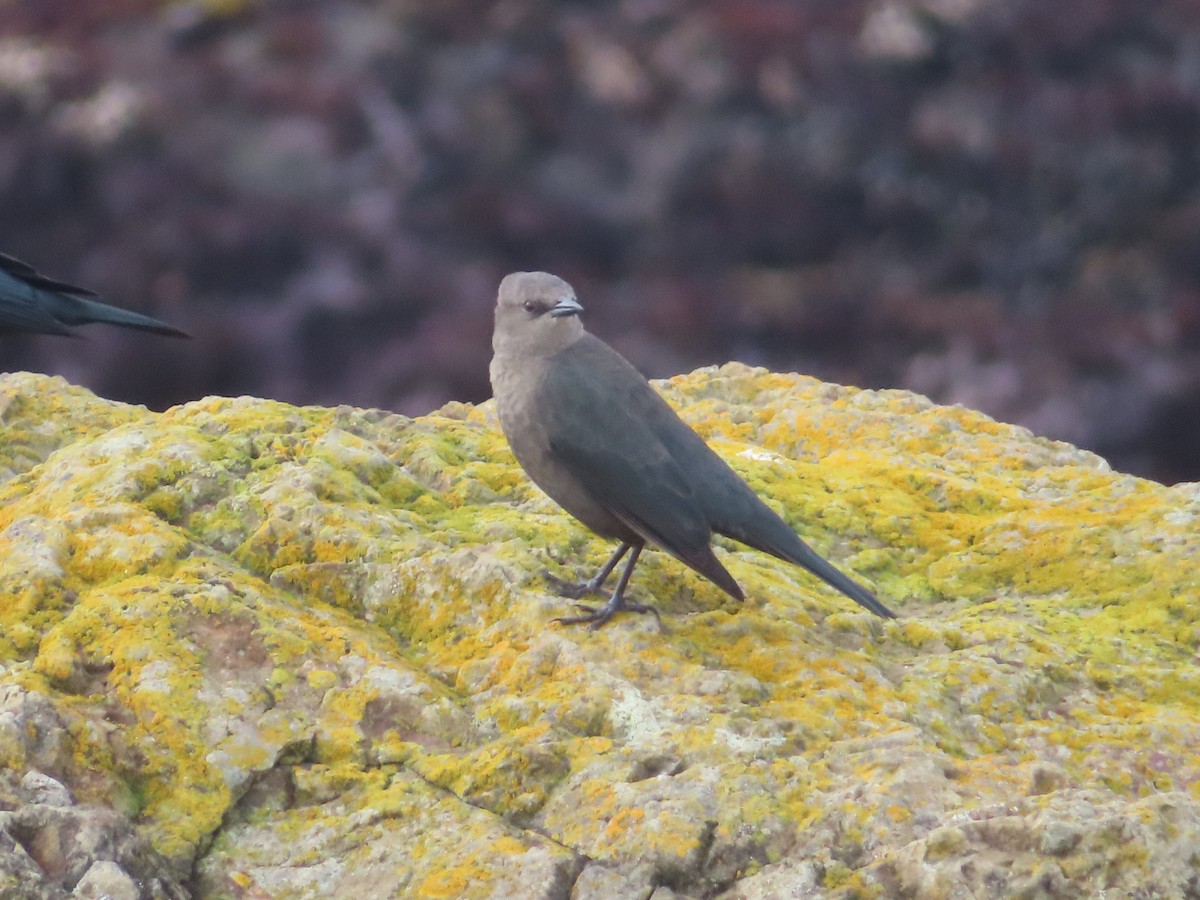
(574, 591)
(597, 617)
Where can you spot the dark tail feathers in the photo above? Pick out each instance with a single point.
(770, 534)
(82, 311)
(824, 570)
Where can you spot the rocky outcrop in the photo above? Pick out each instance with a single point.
(256, 650)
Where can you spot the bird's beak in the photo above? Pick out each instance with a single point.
(567, 306)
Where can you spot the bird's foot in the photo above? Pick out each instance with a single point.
(595, 616)
(570, 589)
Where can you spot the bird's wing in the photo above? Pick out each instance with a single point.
(621, 462)
(601, 419)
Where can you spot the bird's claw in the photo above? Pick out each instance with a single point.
(643, 608)
(594, 617)
(570, 589)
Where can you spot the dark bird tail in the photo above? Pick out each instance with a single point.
(83, 311)
(808, 559)
(30, 301)
(757, 525)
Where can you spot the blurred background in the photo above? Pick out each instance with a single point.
(992, 202)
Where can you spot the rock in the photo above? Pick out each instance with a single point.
(248, 648)
(106, 881)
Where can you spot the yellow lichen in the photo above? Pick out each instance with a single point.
(251, 587)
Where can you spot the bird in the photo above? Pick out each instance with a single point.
(31, 302)
(591, 432)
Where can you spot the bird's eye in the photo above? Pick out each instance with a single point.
(530, 306)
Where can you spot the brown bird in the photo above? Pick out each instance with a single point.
(591, 432)
(29, 301)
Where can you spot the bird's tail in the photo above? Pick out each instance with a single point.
(83, 311)
(808, 559)
(763, 530)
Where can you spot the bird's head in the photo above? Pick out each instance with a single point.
(536, 315)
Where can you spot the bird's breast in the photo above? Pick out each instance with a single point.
(518, 404)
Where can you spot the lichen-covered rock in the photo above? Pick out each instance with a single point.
(253, 650)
